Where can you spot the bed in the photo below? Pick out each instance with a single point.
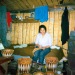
(27, 51)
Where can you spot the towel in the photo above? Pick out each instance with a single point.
(41, 13)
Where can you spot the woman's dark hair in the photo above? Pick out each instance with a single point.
(42, 26)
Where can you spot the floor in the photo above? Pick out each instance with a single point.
(12, 68)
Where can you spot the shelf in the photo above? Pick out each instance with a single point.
(25, 21)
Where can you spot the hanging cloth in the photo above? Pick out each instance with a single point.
(41, 13)
(3, 26)
(65, 26)
(9, 19)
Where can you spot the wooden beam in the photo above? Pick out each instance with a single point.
(35, 3)
(39, 2)
(20, 3)
(17, 4)
(22, 11)
(55, 2)
(30, 3)
(44, 2)
(50, 3)
(65, 1)
(72, 1)
(4, 3)
(26, 4)
(12, 5)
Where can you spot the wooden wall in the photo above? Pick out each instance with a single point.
(25, 33)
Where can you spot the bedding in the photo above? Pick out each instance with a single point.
(28, 51)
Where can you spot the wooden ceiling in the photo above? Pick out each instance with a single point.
(22, 5)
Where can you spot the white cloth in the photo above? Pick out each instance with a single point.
(55, 47)
(20, 46)
(1, 46)
(63, 59)
(45, 40)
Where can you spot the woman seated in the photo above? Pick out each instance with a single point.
(43, 42)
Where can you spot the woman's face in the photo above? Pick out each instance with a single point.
(42, 31)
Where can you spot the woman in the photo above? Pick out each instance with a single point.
(43, 42)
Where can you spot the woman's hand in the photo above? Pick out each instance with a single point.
(47, 46)
(40, 46)
(43, 48)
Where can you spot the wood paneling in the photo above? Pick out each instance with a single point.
(66, 1)
(26, 4)
(59, 28)
(24, 33)
(20, 33)
(22, 5)
(55, 2)
(55, 40)
(8, 4)
(30, 3)
(43, 2)
(27, 32)
(39, 2)
(13, 33)
(49, 2)
(51, 22)
(16, 33)
(35, 3)
(11, 4)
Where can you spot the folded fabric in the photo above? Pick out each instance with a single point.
(55, 47)
(1, 46)
(63, 59)
(41, 13)
(16, 57)
(20, 46)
